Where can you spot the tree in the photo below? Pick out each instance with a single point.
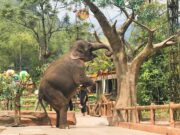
(153, 80)
(127, 64)
(40, 17)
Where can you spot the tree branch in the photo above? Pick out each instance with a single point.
(150, 31)
(54, 11)
(147, 51)
(167, 42)
(114, 26)
(143, 26)
(24, 24)
(96, 37)
(126, 24)
(108, 30)
(128, 46)
(123, 10)
(138, 47)
(100, 17)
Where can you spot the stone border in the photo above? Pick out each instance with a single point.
(166, 130)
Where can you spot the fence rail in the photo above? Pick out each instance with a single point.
(152, 108)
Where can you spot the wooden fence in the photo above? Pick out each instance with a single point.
(101, 109)
(152, 108)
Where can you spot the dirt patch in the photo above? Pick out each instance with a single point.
(27, 118)
(2, 128)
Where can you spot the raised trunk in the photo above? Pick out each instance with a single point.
(96, 46)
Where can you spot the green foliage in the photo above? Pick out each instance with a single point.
(153, 81)
(153, 16)
(39, 17)
(101, 63)
(132, 4)
(7, 88)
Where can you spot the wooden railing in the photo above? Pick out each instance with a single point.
(152, 108)
(101, 109)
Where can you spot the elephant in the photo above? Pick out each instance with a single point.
(64, 76)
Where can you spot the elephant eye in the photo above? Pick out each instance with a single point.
(89, 47)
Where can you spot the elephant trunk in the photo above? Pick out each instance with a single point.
(96, 46)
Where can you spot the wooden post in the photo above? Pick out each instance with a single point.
(100, 109)
(171, 114)
(137, 115)
(112, 108)
(126, 116)
(107, 109)
(104, 113)
(152, 114)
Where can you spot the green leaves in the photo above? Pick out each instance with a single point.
(101, 63)
(153, 80)
(119, 2)
(136, 4)
(7, 12)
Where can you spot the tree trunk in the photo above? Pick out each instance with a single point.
(126, 93)
(17, 117)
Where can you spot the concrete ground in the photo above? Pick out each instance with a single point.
(86, 125)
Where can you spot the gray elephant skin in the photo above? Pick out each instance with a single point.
(63, 76)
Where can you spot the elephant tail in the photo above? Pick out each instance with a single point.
(41, 103)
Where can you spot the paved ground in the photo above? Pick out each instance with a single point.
(85, 126)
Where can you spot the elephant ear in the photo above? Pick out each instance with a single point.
(77, 54)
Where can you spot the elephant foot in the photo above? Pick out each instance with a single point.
(64, 126)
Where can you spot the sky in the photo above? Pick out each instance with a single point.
(112, 14)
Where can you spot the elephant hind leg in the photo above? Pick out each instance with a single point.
(59, 103)
(41, 103)
(57, 118)
(63, 118)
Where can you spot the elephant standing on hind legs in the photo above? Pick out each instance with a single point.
(63, 76)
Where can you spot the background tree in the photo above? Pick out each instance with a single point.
(154, 73)
(40, 17)
(127, 64)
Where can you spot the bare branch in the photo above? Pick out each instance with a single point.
(150, 38)
(56, 30)
(128, 46)
(51, 25)
(111, 35)
(123, 10)
(138, 47)
(96, 36)
(149, 50)
(114, 26)
(100, 17)
(126, 24)
(150, 31)
(167, 42)
(24, 24)
(132, 51)
(143, 26)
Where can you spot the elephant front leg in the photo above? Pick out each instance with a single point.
(63, 118)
